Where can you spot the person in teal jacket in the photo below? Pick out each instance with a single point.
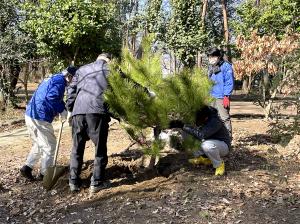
(221, 74)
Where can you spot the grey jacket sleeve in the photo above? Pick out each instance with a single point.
(72, 93)
(211, 127)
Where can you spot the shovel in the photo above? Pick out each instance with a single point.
(54, 172)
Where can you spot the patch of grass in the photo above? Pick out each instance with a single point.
(204, 214)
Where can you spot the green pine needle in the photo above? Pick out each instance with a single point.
(177, 97)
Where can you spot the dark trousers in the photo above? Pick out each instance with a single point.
(85, 127)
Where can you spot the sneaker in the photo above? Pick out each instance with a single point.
(26, 172)
(74, 187)
(220, 170)
(39, 177)
(97, 188)
(200, 161)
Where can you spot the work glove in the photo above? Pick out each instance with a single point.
(176, 124)
(63, 116)
(151, 93)
(69, 118)
(226, 102)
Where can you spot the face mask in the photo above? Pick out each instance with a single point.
(213, 60)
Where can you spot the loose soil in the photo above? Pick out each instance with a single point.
(262, 184)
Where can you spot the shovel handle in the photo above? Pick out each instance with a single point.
(57, 143)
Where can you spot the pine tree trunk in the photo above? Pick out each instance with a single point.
(226, 29)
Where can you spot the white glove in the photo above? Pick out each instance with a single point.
(63, 116)
(151, 93)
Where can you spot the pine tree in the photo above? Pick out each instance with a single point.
(176, 97)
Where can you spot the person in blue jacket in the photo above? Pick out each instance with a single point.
(46, 103)
(221, 74)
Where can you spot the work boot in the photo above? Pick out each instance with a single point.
(74, 187)
(200, 161)
(220, 170)
(39, 177)
(99, 187)
(26, 172)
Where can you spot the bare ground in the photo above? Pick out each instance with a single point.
(262, 185)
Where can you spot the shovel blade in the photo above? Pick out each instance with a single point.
(52, 175)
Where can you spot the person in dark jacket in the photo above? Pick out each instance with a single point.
(221, 73)
(216, 140)
(90, 120)
(46, 103)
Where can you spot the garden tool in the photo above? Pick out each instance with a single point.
(54, 172)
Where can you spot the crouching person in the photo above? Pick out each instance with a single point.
(45, 104)
(215, 137)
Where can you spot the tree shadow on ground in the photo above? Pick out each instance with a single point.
(126, 168)
(258, 139)
(243, 159)
(244, 116)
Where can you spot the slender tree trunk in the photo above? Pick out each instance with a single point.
(204, 10)
(133, 46)
(270, 101)
(13, 78)
(75, 56)
(268, 108)
(245, 84)
(26, 76)
(226, 29)
(34, 70)
(133, 37)
(175, 63)
(43, 72)
(2, 88)
(249, 83)
(126, 38)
